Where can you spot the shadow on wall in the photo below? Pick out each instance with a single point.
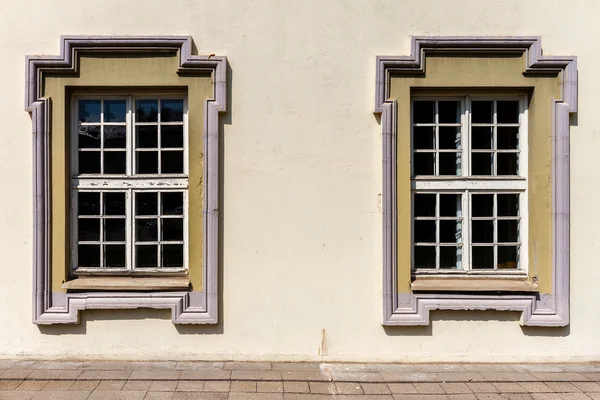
(469, 316)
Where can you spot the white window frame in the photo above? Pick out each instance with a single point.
(468, 184)
(129, 183)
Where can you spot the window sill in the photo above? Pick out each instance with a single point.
(119, 283)
(471, 284)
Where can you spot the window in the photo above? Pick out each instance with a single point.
(129, 184)
(469, 185)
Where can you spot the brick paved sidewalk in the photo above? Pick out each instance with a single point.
(295, 381)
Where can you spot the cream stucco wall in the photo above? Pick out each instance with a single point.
(301, 217)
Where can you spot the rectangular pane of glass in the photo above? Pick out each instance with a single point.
(146, 203)
(481, 163)
(482, 137)
(172, 229)
(146, 162)
(424, 256)
(114, 110)
(450, 205)
(89, 110)
(88, 203)
(483, 257)
(424, 205)
(450, 257)
(424, 231)
(114, 256)
(482, 205)
(146, 110)
(146, 137)
(172, 203)
(89, 137)
(423, 112)
(423, 137)
(424, 164)
(114, 203)
(171, 136)
(115, 162)
(508, 112)
(88, 229)
(508, 205)
(508, 163)
(482, 112)
(508, 231)
(171, 162)
(171, 110)
(88, 256)
(146, 230)
(449, 112)
(115, 136)
(172, 255)
(89, 162)
(114, 230)
(508, 137)
(482, 231)
(450, 231)
(146, 256)
(508, 257)
(449, 137)
(450, 164)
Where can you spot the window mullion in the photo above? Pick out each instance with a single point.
(495, 215)
(466, 136)
(129, 229)
(466, 249)
(438, 248)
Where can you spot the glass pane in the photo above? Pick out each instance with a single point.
(482, 163)
(172, 255)
(423, 112)
(89, 137)
(114, 110)
(172, 203)
(114, 255)
(450, 205)
(423, 137)
(424, 163)
(482, 112)
(450, 257)
(172, 229)
(449, 112)
(146, 230)
(146, 137)
(88, 229)
(482, 137)
(89, 110)
(114, 230)
(508, 164)
(114, 203)
(88, 203)
(115, 137)
(89, 162)
(171, 136)
(88, 256)
(115, 162)
(450, 164)
(171, 162)
(146, 162)
(450, 231)
(508, 256)
(424, 205)
(146, 203)
(508, 137)
(483, 257)
(146, 256)
(171, 110)
(483, 205)
(146, 111)
(483, 231)
(508, 231)
(508, 205)
(424, 256)
(449, 137)
(508, 112)
(424, 231)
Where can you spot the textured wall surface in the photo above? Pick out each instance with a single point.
(301, 185)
